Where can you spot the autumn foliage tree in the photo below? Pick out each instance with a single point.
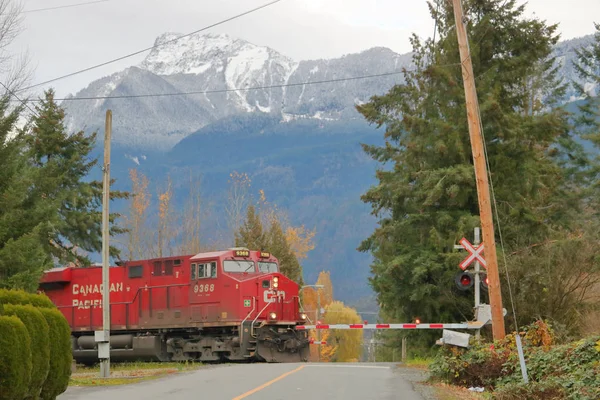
(341, 346)
(267, 228)
(347, 342)
(137, 219)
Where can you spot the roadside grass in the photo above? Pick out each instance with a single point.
(418, 362)
(128, 373)
(444, 391)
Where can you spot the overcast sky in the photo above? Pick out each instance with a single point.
(64, 40)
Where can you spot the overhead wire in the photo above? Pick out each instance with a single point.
(495, 203)
(64, 6)
(23, 102)
(154, 46)
(250, 88)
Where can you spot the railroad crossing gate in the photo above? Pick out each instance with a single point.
(474, 254)
(466, 325)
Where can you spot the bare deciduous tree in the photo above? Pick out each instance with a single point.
(191, 219)
(166, 227)
(15, 71)
(136, 220)
(237, 200)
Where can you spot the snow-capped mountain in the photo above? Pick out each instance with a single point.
(214, 70)
(220, 67)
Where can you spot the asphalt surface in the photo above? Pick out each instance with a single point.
(266, 382)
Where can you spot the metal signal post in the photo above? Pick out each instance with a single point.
(481, 176)
(103, 337)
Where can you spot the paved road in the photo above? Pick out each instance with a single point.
(266, 382)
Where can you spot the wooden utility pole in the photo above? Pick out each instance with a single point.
(103, 338)
(481, 176)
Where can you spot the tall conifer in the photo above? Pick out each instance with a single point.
(26, 217)
(64, 165)
(426, 197)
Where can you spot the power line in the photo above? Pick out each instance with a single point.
(23, 102)
(133, 96)
(65, 6)
(319, 82)
(152, 47)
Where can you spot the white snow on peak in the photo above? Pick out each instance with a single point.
(198, 53)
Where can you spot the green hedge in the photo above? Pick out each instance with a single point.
(61, 354)
(19, 297)
(59, 339)
(38, 330)
(15, 359)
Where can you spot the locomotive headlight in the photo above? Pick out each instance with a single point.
(303, 317)
(275, 279)
(273, 315)
(275, 284)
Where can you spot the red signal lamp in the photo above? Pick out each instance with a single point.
(484, 280)
(464, 280)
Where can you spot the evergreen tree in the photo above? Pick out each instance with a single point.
(427, 200)
(280, 248)
(587, 67)
(253, 236)
(63, 165)
(26, 217)
(250, 234)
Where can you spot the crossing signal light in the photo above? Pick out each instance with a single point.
(464, 280)
(484, 281)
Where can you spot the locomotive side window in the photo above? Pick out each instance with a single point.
(238, 266)
(136, 271)
(168, 267)
(208, 270)
(267, 266)
(157, 268)
(193, 272)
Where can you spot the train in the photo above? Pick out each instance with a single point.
(232, 305)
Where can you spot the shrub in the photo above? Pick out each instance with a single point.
(38, 330)
(19, 297)
(61, 354)
(570, 371)
(547, 390)
(15, 359)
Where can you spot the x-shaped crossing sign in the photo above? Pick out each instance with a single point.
(475, 254)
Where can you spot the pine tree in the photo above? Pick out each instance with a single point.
(250, 234)
(281, 249)
(253, 236)
(26, 217)
(587, 67)
(63, 166)
(427, 200)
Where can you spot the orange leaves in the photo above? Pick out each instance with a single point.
(136, 221)
(140, 196)
(300, 240)
(328, 350)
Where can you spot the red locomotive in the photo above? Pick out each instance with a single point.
(228, 305)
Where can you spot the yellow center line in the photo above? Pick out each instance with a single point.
(264, 385)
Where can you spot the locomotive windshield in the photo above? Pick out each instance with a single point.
(238, 266)
(267, 266)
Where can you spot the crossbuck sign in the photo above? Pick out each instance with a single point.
(475, 254)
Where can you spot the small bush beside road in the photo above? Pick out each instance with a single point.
(566, 371)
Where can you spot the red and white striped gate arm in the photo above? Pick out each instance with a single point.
(466, 325)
